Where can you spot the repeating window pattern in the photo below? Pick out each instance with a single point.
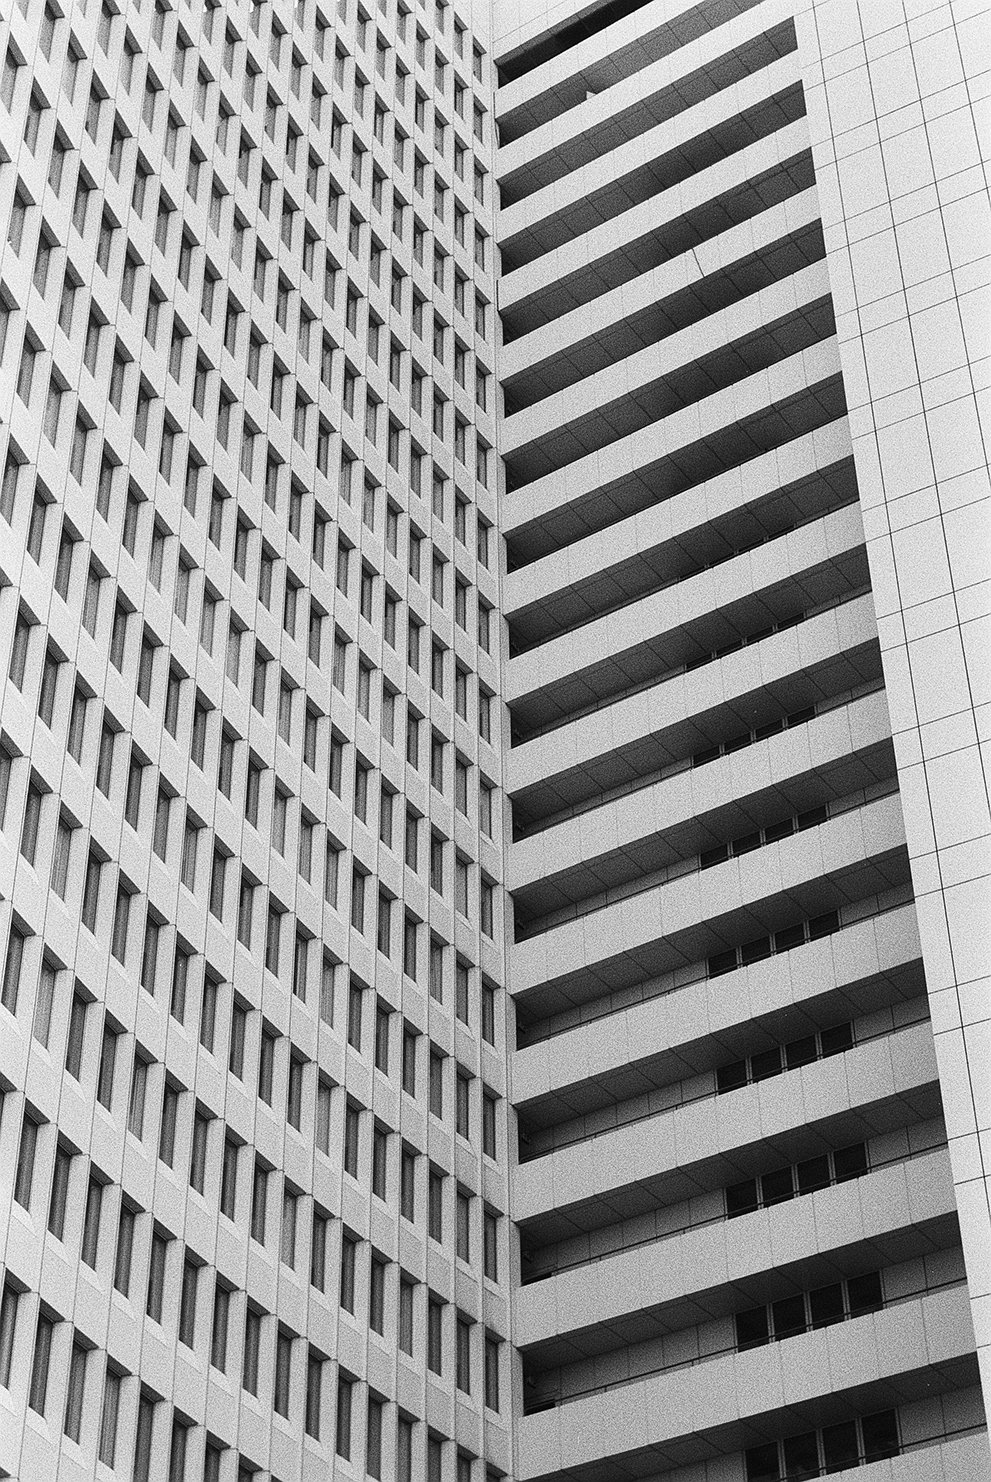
(239, 688)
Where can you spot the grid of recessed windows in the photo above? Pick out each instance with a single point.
(247, 595)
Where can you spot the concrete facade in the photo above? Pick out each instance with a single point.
(253, 1152)
(749, 861)
(493, 823)
(910, 285)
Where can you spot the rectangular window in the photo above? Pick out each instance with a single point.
(167, 1127)
(348, 1248)
(108, 1061)
(462, 1355)
(373, 1437)
(41, 1028)
(198, 1151)
(136, 1097)
(435, 1205)
(259, 1202)
(156, 1277)
(409, 1060)
(463, 1225)
(59, 1194)
(436, 1092)
(352, 1127)
(382, 1038)
(314, 1394)
(228, 1178)
(190, 841)
(376, 1296)
(109, 1414)
(489, 1124)
(8, 1327)
(41, 1362)
(435, 1310)
(273, 938)
(358, 882)
(219, 1326)
(266, 1066)
(132, 800)
(180, 982)
(77, 725)
(488, 1012)
(462, 1105)
(283, 1373)
(491, 1373)
(74, 1390)
(342, 1436)
(218, 874)
(318, 1251)
(187, 1302)
(461, 981)
(105, 757)
(48, 689)
(404, 1451)
(294, 1094)
(75, 1036)
(125, 1250)
(31, 821)
(245, 911)
(252, 1350)
(384, 924)
(208, 1012)
(490, 1244)
(410, 945)
(122, 918)
(406, 1305)
(12, 969)
(461, 873)
(380, 1151)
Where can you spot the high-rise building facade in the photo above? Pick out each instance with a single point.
(744, 304)
(254, 1134)
(492, 828)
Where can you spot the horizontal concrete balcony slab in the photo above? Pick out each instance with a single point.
(727, 1264)
(562, 79)
(693, 916)
(645, 166)
(620, 110)
(700, 439)
(643, 1045)
(723, 1139)
(736, 790)
(664, 629)
(656, 304)
(646, 1426)
(525, 101)
(831, 757)
(642, 366)
(956, 1458)
(699, 208)
(723, 348)
(704, 526)
(654, 720)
